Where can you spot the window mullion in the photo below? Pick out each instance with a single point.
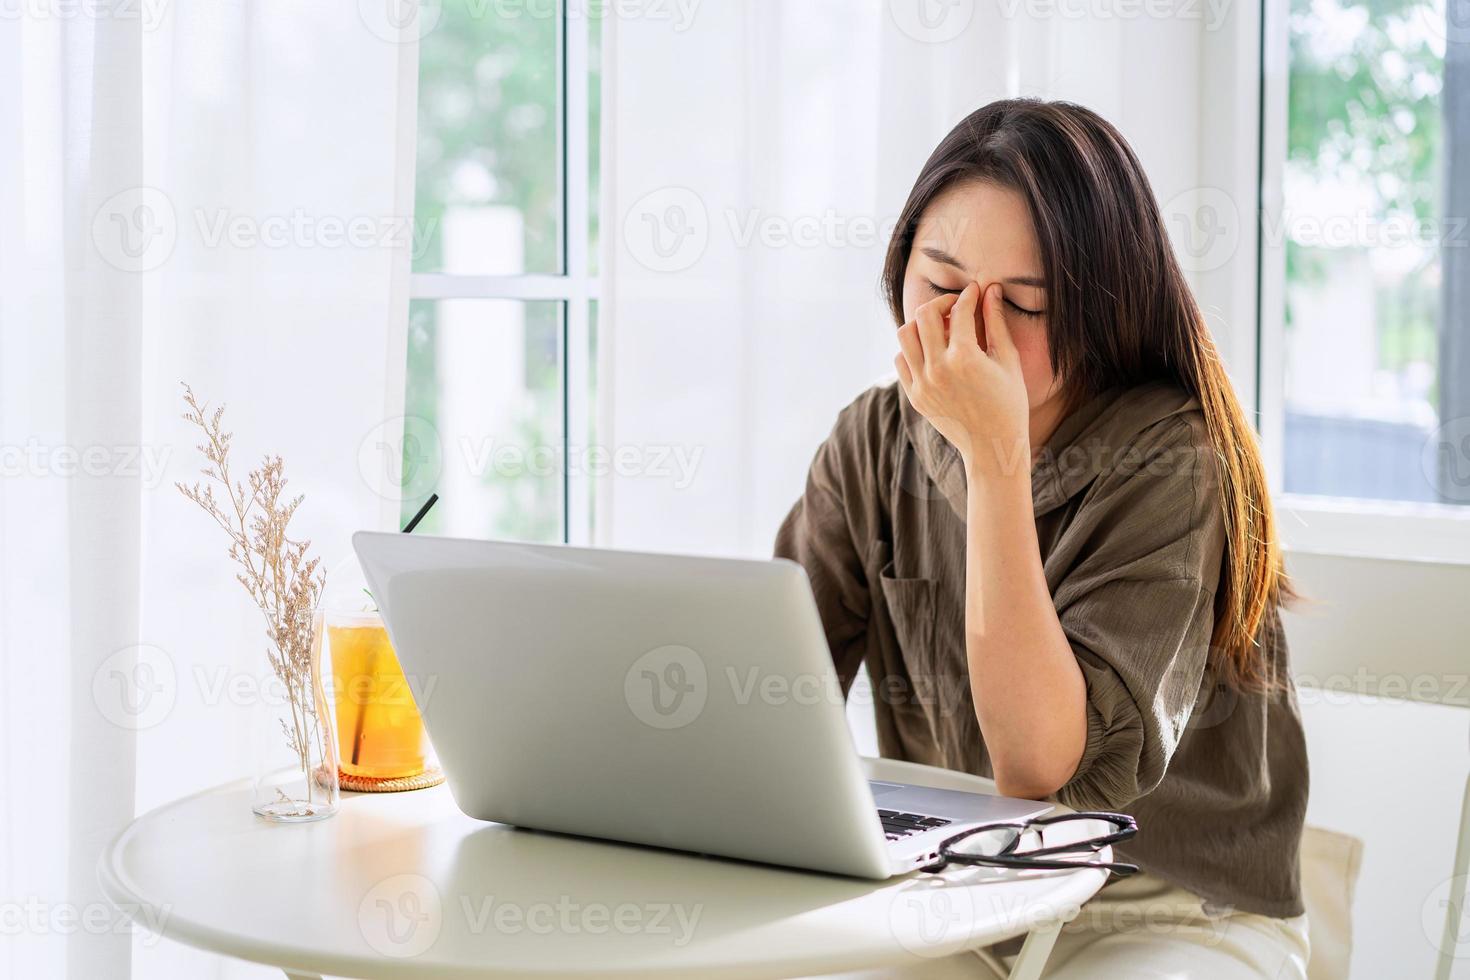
(577, 375)
(1454, 313)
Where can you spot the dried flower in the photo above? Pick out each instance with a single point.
(276, 571)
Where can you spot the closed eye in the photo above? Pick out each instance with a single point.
(946, 291)
(943, 290)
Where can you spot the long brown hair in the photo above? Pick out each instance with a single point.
(1119, 312)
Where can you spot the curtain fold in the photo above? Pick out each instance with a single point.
(101, 375)
(212, 193)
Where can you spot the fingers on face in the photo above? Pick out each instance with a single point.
(911, 350)
(901, 363)
(931, 318)
(997, 330)
(964, 324)
(979, 314)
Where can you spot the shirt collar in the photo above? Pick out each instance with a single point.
(1083, 445)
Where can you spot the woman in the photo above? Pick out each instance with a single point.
(1052, 545)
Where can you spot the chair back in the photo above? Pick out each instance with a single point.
(1395, 629)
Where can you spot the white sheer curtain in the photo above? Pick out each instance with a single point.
(757, 155)
(211, 193)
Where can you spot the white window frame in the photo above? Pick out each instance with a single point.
(576, 287)
(1330, 525)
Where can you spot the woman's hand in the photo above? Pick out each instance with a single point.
(975, 396)
(1029, 693)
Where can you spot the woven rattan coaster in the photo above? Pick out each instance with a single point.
(431, 776)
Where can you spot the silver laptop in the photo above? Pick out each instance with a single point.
(681, 702)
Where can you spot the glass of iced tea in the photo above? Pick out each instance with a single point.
(380, 734)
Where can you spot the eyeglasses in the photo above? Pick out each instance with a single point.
(1000, 845)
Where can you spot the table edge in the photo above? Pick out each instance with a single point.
(1076, 889)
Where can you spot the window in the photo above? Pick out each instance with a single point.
(1374, 348)
(502, 318)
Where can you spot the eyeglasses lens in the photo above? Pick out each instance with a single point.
(989, 842)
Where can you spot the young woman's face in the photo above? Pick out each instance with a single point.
(982, 232)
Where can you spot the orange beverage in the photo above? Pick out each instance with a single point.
(379, 732)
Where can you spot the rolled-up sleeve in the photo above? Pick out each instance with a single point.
(1137, 606)
(818, 534)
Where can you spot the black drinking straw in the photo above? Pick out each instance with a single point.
(407, 529)
(433, 499)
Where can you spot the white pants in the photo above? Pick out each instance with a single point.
(1142, 927)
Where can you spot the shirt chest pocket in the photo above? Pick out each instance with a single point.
(912, 604)
(925, 681)
(926, 688)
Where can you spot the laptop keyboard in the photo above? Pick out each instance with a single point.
(897, 825)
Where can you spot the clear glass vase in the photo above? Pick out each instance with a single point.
(295, 751)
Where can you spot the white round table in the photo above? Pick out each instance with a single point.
(406, 886)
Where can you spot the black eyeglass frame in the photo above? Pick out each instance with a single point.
(1125, 828)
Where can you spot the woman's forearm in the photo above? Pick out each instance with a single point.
(1030, 697)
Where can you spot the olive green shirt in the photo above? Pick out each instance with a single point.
(1131, 529)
